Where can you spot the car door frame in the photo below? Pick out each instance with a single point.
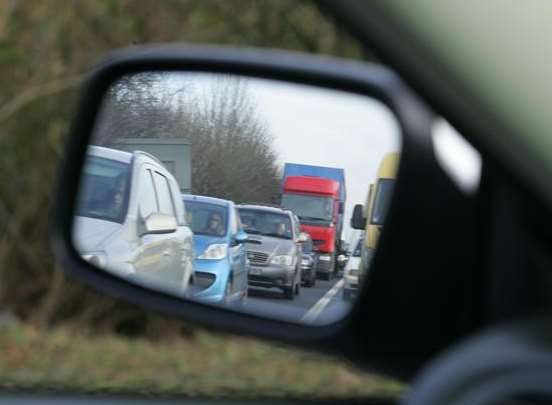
(149, 245)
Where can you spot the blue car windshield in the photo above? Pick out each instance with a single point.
(104, 189)
(206, 218)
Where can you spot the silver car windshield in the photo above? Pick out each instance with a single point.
(104, 192)
(266, 223)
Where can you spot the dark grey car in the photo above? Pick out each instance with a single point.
(309, 264)
(274, 247)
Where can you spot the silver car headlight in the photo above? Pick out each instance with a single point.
(282, 260)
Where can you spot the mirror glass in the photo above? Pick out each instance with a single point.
(238, 191)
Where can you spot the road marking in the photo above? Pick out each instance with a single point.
(317, 308)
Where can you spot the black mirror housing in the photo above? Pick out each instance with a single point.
(366, 337)
(357, 220)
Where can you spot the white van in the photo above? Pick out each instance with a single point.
(130, 220)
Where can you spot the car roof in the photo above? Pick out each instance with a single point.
(267, 208)
(109, 153)
(206, 199)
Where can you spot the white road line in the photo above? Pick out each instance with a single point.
(317, 308)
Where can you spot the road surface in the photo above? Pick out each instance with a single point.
(316, 305)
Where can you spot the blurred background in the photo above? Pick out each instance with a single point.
(56, 334)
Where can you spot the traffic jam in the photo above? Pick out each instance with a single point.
(297, 254)
(259, 255)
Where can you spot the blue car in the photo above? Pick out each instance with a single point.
(221, 264)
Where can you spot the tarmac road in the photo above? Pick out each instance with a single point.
(316, 305)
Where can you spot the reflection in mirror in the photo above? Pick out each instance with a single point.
(238, 191)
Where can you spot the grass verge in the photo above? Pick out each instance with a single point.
(207, 365)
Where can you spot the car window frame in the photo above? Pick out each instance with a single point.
(143, 173)
(169, 192)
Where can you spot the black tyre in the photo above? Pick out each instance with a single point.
(289, 292)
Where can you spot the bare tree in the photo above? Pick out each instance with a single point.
(232, 152)
(142, 106)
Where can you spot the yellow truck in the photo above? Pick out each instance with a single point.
(372, 216)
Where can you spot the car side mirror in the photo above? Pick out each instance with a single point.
(357, 220)
(158, 224)
(303, 237)
(240, 237)
(360, 91)
(342, 259)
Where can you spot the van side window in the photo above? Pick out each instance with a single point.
(148, 202)
(164, 195)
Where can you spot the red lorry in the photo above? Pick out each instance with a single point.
(318, 202)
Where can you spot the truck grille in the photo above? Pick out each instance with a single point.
(257, 257)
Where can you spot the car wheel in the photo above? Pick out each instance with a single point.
(312, 279)
(289, 292)
(187, 286)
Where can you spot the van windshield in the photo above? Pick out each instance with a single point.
(383, 198)
(309, 207)
(104, 190)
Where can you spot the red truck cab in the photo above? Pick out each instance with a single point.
(315, 200)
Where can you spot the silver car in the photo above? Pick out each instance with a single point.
(130, 219)
(274, 247)
(351, 274)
